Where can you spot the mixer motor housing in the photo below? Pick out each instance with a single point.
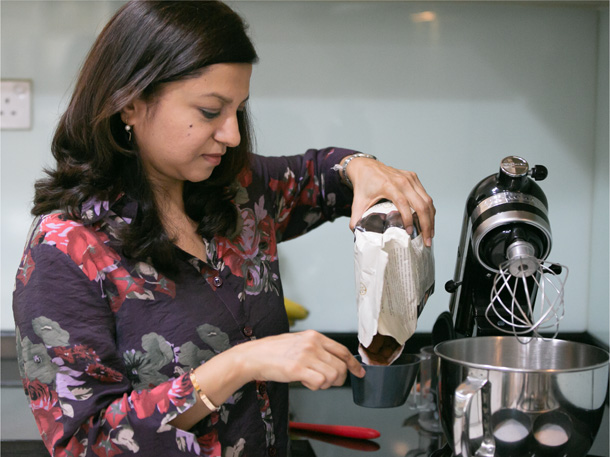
(506, 217)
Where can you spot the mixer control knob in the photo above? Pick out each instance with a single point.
(451, 286)
(539, 172)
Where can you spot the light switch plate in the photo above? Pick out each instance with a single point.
(16, 104)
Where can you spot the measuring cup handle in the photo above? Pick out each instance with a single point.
(461, 418)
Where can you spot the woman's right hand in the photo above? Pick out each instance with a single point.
(309, 357)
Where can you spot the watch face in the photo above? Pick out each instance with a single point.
(514, 166)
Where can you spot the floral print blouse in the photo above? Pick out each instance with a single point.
(105, 343)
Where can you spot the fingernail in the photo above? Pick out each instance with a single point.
(409, 229)
(429, 242)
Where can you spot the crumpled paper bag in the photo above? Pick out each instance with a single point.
(394, 277)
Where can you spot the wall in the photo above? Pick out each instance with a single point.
(45, 41)
(448, 99)
(599, 309)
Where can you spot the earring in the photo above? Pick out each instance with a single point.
(128, 130)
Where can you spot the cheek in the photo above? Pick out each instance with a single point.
(193, 135)
(169, 138)
(166, 138)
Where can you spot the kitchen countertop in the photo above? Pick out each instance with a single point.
(401, 435)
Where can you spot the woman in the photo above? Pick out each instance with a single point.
(148, 302)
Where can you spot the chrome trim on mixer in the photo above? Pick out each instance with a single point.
(506, 218)
(522, 261)
(514, 166)
(505, 198)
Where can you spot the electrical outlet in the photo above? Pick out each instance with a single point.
(16, 104)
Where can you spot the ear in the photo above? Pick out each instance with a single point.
(133, 111)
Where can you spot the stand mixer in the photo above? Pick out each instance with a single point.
(492, 383)
(501, 260)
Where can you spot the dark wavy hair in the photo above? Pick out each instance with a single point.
(145, 45)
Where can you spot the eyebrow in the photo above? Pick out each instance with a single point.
(224, 99)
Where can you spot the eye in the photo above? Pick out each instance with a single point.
(209, 114)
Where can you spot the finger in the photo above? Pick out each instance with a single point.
(426, 221)
(346, 357)
(313, 379)
(359, 206)
(325, 351)
(355, 367)
(404, 206)
(428, 211)
(330, 371)
(422, 206)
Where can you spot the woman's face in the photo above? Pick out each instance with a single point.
(184, 132)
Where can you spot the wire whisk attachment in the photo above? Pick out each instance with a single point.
(511, 309)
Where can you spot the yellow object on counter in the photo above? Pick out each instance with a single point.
(294, 311)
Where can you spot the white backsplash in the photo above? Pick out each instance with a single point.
(447, 99)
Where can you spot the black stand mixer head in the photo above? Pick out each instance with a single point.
(506, 237)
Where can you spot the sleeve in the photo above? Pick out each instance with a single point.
(303, 190)
(78, 390)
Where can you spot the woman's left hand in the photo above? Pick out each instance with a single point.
(374, 181)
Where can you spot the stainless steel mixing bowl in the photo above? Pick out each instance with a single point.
(501, 397)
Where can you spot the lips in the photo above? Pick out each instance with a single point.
(213, 159)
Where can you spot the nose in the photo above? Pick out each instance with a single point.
(227, 132)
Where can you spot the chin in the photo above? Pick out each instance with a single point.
(199, 177)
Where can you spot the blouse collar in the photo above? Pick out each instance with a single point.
(96, 209)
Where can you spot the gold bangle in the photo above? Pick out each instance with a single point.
(204, 398)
